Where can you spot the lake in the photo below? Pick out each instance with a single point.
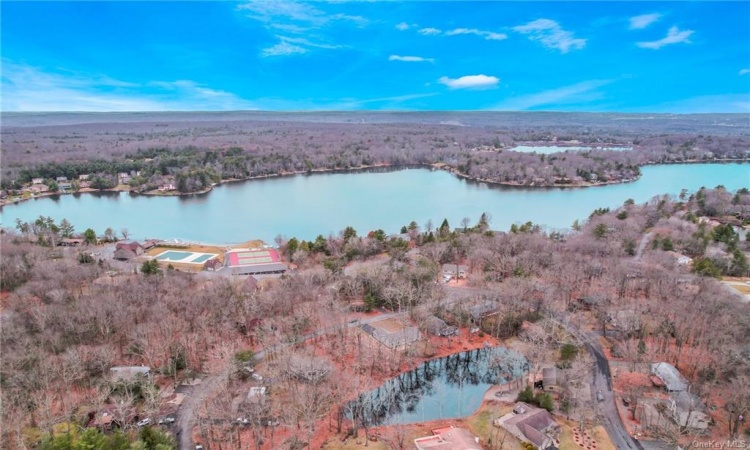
(442, 388)
(548, 150)
(308, 205)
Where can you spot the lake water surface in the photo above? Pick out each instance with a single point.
(308, 205)
(442, 388)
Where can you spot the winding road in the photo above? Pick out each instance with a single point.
(603, 381)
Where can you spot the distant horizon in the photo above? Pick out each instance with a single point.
(297, 56)
(382, 111)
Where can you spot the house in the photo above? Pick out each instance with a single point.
(532, 424)
(687, 410)
(436, 326)
(552, 379)
(483, 310)
(38, 188)
(455, 270)
(83, 177)
(65, 185)
(124, 177)
(129, 373)
(256, 393)
(448, 439)
(124, 254)
(134, 247)
(681, 259)
(667, 375)
(37, 181)
(212, 264)
(61, 180)
(151, 243)
(70, 242)
(167, 187)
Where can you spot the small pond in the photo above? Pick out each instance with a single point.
(442, 388)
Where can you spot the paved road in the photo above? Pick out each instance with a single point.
(603, 382)
(186, 415)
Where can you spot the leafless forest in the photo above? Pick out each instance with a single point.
(68, 320)
(205, 147)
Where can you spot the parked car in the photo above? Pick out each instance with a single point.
(144, 422)
(198, 447)
(243, 421)
(166, 420)
(257, 377)
(599, 396)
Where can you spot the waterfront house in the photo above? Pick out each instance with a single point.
(61, 180)
(448, 439)
(37, 181)
(38, 188)
(667, 375)
(167, 187)
(65, 185)
(83, 177)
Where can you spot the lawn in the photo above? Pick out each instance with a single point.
(481, 425)
(600, 436)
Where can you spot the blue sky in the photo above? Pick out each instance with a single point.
(679, 57)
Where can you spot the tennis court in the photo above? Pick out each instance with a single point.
(252, 257)
(183, 257)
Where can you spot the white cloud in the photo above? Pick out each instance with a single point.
(280, 14)
(27, 88)
(674, 36)
(575, 93)
(550, 34)
(295, 18)
(743, 72)
(283, 48)
(644, 20)
(470, 82)
(429, 31)
(294, 46)
(488, 35)
(403, 26)
(409, 58)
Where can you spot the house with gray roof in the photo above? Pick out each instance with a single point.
(669, 376)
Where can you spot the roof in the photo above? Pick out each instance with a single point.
(452, 267)
(484, 309)
(129, 245)
(533, 424)
(687, 401)
(551, 376)
(129, 372)
(124, 254)
(670, 376)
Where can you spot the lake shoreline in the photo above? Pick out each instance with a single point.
(387, 167)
